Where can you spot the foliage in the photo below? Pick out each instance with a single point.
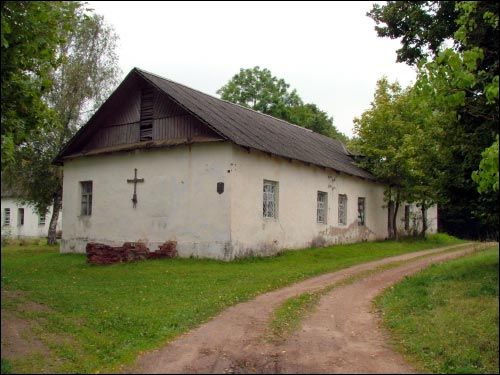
(398, 138)
(423, 26)
(258, 89)
(31, 32)
(461, 83)
(487, 175)
(81, 82)
(445, 297)
(112, 313)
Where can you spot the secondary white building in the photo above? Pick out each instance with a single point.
(162, 162)
(20, 220)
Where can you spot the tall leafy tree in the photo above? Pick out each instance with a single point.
(258, 89)
(461, 80)
(31, 32)
(85, 77)
(399, 140)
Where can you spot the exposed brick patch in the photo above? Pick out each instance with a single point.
(167, 250)
(98, 253)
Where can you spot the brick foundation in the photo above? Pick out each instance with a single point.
(98, 253)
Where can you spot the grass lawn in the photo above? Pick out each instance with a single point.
(445, 318)
(109, 314)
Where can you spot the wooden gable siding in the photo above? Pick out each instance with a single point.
(169, 121)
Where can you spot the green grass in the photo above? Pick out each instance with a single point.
(6, 367)
(445, 318)
(288, 316)
(112, 313)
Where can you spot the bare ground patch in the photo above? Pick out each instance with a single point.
(234, 341)
(23, 339)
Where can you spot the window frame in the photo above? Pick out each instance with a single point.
(275, 201)
(41, 223)
(324, 207)
(5, 222)
(86, 198)
(20, 216)
(362, 212)
(342, 199)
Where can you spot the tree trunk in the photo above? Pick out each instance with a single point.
(390, 214)
(51, 239)
(424, 219)
(394, 220)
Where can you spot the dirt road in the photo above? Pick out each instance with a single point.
(341, 335)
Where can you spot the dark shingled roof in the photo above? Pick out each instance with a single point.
(251, 129)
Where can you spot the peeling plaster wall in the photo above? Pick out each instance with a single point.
(296, 226)
(31, 228)
(178, 201)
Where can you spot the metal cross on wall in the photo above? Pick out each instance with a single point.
(135, 181)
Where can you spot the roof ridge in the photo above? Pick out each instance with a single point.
(227, 101)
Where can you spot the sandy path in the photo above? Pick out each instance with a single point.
(340, 336)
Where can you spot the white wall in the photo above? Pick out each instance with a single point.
(296, 226)
(177, 201)
(30, 228)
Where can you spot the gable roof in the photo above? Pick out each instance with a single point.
(251, 129)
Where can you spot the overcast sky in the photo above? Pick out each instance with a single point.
(328, 52)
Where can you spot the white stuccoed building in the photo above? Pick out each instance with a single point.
(162, 162)
(21, 220)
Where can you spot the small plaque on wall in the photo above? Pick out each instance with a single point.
(220, 187)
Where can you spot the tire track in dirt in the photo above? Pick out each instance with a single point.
(340, 336)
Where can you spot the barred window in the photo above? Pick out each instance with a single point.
(322, 207)
(20, 216)
(41, 220)
(361, 211)
(86, 187)
(270, 199)
(6, 217)
(342, 209)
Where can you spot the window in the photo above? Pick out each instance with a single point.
(407, 217)
(41, 220)
(20, 216)
(270, 199)
(342, 209)
(361, 211)
(322, 207)
(6, 217)
(86, 197)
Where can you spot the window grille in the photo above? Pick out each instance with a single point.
(6, 217)
(270, 199)
(361, 211)
(41, 220)
(342, 209)
(322, 207)
(86, 187)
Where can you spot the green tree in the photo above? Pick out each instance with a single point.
(31, 32)
(422, 26)
(462, 81)
(398, 138)
(84, 79)
(258, 89)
